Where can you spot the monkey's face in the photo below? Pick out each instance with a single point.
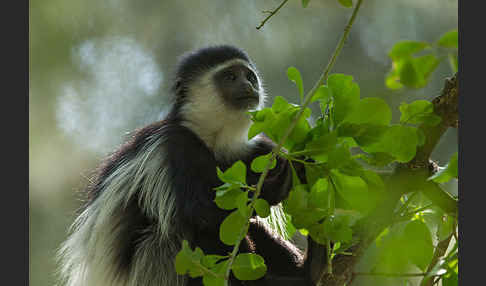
(239, 86)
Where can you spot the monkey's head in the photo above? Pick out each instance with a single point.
(222, 75)
(214, 88)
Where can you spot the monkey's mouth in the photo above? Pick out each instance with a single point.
(248, 101)
(248, 98)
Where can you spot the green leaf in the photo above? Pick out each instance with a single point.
(242, 204)
(219, 268)
(210, 280)
(449, 39)
(393, 256)
(280, 104)
(230, 231)
(379, 159)
(450, 280)
(419, 243)
(363, 134)
(259, 163)
(297, 205)
(188, 261)
(370, 110)
(227, 200)
(338, 157)
(294, 75)
(319, 194)
(453, 62)
(183, 259)
(405, 49)
(398, 141)
(392, 80)
(446, 227)
(277, 127)
(323, 94)
(421, 137)
(318, 233)
(262, 208)
(448, 172)
(409, 75)
(315, 172)
(346, 95)
(305, 3)
(338, 228)
(249, 266)
(426, 65)
(308, 217)
(234, 174)
(418, 112)
(415, 72)
(262, 120)
(211, 260)
(346, 3)
(297, 199)
(352, 189)
(319, 148)
(351, 167)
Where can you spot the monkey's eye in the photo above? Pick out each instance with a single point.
(230, 75)
(251, 77)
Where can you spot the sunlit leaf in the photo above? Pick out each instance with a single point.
(323, 94)
(406, 48)
(259, 163)
(234, 174)
(227, 201)
(262, 208)
(346, 95)
(370, 110)
(419, 243)
(418, 112)
(398, 141)
(294, 75)
(449, 39)
(231, 228)
(249, 266)
(188, 261)
(354, 190)
(337, 228)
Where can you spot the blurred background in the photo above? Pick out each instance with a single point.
(99, 69)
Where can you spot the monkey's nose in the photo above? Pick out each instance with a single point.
(249, 91)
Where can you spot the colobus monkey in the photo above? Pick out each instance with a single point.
(157, 189)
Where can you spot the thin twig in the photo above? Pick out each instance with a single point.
(271, 13)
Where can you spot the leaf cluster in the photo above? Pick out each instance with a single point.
(414, 61)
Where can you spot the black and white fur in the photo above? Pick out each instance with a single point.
(156, 189)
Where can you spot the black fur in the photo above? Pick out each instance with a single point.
(192, 168)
